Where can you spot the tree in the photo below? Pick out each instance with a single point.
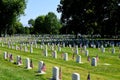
(31, 22)
(48, 24)
(27, 30)
(90, 16)
(19, 28)
(10, 11)
(52, 24)
(39, 26)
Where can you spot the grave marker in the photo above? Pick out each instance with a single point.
(75, 76)
(78, 59)
(55, 73)
(94, 62)
(28, 63)
(66, 56)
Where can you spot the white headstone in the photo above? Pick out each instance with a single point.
(19, 60)
(113, 50)
(86, 53)
(94, 62)
(25, 49)
(59, 48)
(66, 56)
(41, 46)
(16, 47)
(78, 59)
(5, 55)
(63, 44)
(76, 49)
(52, 48)
(70, 46)
(2, 45)
(55, 54)
(75, 76)
(45, 52)
(55, 73)
(40, 67)
(84, 47)
(103, 49)
(31, 49)
(28, 63)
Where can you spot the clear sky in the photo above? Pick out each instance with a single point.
(39, 7)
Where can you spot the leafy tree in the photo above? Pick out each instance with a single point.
(19, 28)
(27, 30)
(10, 11)
(90, 16)
(48, 24)
(52, 24)
(31, 22)
(39, 26)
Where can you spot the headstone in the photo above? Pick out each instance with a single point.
(45, 52)
(41, 68)
(25, 49)
(75, 76)
(63, 44)
(84, 47)
(12, 46)
(86, 53)
(76, 49)
(94, 46)
(19, 60)
(103, 50)
(78, 59)
(9, 45)
(66, 56)
(5, 55)
(2, 45)
(16, 47)
(94, 62)
(41, 46)
(31, 49)
(28, 63)
(54, 54)
(113, 50)
(55, 73)
(70, 46)
(59, 48)
(52, 48)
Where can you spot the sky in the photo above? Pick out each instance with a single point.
(36, 8)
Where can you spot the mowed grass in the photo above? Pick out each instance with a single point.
(10, 71)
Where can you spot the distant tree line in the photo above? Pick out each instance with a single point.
(77, 16)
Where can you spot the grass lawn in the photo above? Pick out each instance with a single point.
(10, 71)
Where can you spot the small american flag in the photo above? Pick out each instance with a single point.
(60, 74)
(88, 77)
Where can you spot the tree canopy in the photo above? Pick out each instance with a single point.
(90, 16)
(47, 24)
(10, 11)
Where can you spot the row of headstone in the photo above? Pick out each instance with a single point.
(57, 74)
(29, 63)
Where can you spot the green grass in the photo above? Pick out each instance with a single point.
(10, 71)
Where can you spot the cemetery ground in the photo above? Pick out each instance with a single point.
(108, 65)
